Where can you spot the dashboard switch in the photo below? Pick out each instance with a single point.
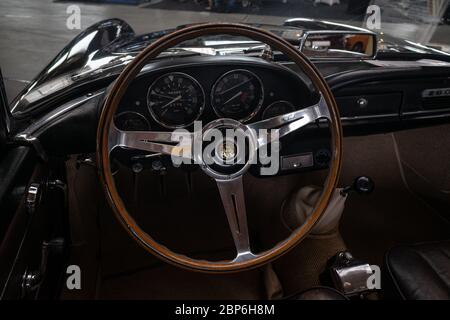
(323, 158)
(305, 160)
(362, 102)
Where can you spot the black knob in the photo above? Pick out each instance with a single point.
(363, 185)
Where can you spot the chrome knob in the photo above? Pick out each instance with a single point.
(34, 195)
(362, 102)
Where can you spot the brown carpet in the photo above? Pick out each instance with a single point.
(189, 217)
(300, 268)
(168, 282)
(392, 214)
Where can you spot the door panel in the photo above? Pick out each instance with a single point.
(33, 238)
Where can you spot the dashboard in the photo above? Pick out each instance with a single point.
(171, 97)
(173, 92)
(168, 96)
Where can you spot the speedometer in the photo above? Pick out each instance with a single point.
(238, 94)
(175, 100)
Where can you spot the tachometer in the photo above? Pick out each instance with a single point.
(175, 100)
(238, 94)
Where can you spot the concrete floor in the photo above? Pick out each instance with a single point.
(33, 32)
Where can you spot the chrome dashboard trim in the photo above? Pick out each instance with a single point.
(28, 135)
(375, 116)
(426, 112)
(37, 126)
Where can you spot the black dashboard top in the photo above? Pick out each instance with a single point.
(371, 95)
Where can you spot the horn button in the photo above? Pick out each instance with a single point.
(228, 149)
(226, 152)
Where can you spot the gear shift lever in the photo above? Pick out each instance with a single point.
(362, 185)
(295, 208)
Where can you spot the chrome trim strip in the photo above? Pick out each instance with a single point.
(31, 131)
(426, 112)
(376, 116)
(28, 136)
(35, 143)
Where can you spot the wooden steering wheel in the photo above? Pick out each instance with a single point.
(230, 184)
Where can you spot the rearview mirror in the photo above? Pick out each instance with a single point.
(339, 44)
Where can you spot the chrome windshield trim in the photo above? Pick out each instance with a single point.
(34, 128)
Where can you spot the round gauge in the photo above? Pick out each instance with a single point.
(131, 121)
(277, 109)
(238, 94)
(175, 100)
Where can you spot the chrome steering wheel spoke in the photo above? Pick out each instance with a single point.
(233, 200)
(176, 143)
(289, 122)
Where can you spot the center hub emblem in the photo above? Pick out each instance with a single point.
(231, 152)
(227, 151)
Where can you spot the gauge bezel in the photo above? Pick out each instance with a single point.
(132, 112)
(261, 98)
(168, 125)
(277, 101)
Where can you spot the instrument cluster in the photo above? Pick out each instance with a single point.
(170, 95)
(176, 99)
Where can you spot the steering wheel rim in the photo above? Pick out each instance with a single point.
(105, 127)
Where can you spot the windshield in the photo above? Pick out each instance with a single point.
(422, 22)
(320, 28)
